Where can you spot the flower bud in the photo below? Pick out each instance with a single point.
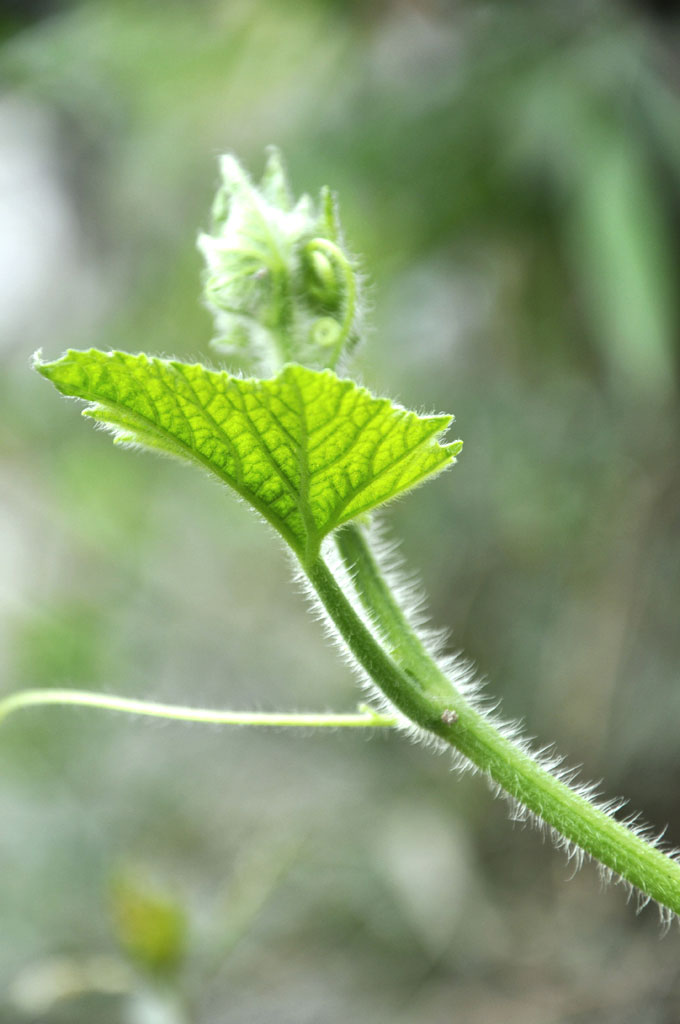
(277, 279)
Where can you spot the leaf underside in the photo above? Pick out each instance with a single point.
(308, 450)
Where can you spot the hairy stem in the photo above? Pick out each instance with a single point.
(417, 687)
(365, 718)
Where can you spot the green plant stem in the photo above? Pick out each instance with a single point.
(379, 601)
(365, 718)
(421, 691)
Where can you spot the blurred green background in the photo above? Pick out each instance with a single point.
(510, 173)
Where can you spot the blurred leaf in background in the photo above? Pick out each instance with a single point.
(510, 175)
(149, 923)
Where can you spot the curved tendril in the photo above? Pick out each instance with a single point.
(340, 261)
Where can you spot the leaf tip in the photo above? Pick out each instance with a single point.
(38, 363)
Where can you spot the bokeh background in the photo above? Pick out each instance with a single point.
(510, 174)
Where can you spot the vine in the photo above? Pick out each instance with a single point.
(316, 454)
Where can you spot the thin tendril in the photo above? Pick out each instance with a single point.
(366, 717)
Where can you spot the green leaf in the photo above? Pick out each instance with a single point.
(621, 248)
(306, 449)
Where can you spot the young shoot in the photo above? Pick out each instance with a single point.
(316, 455)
